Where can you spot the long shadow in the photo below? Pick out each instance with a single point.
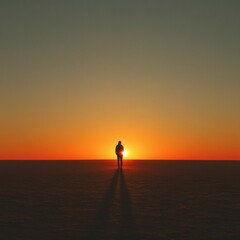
(101, 225)
(127, 226)
(101, 222)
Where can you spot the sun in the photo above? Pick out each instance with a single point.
(125, 153)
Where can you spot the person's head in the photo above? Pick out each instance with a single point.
(119, 142)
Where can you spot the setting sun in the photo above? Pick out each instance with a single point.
(125, 153)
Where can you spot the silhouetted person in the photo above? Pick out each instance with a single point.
(119, 152)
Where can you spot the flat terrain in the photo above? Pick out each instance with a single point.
(94, 200)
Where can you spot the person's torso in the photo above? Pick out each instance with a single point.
(119, 149)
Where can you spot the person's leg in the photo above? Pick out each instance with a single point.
(121, 158)
(118, 160)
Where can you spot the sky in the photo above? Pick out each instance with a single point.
(162, 76)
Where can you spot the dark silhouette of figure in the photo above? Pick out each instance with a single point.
(119, 152)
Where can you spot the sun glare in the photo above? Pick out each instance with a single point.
(125, 153)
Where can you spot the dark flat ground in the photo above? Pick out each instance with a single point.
(94, 200)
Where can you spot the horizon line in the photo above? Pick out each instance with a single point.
(102, 159)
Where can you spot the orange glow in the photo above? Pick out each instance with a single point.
(93, 141)
(125, 153)
(102, 147)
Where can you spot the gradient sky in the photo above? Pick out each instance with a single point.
(76, 76)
